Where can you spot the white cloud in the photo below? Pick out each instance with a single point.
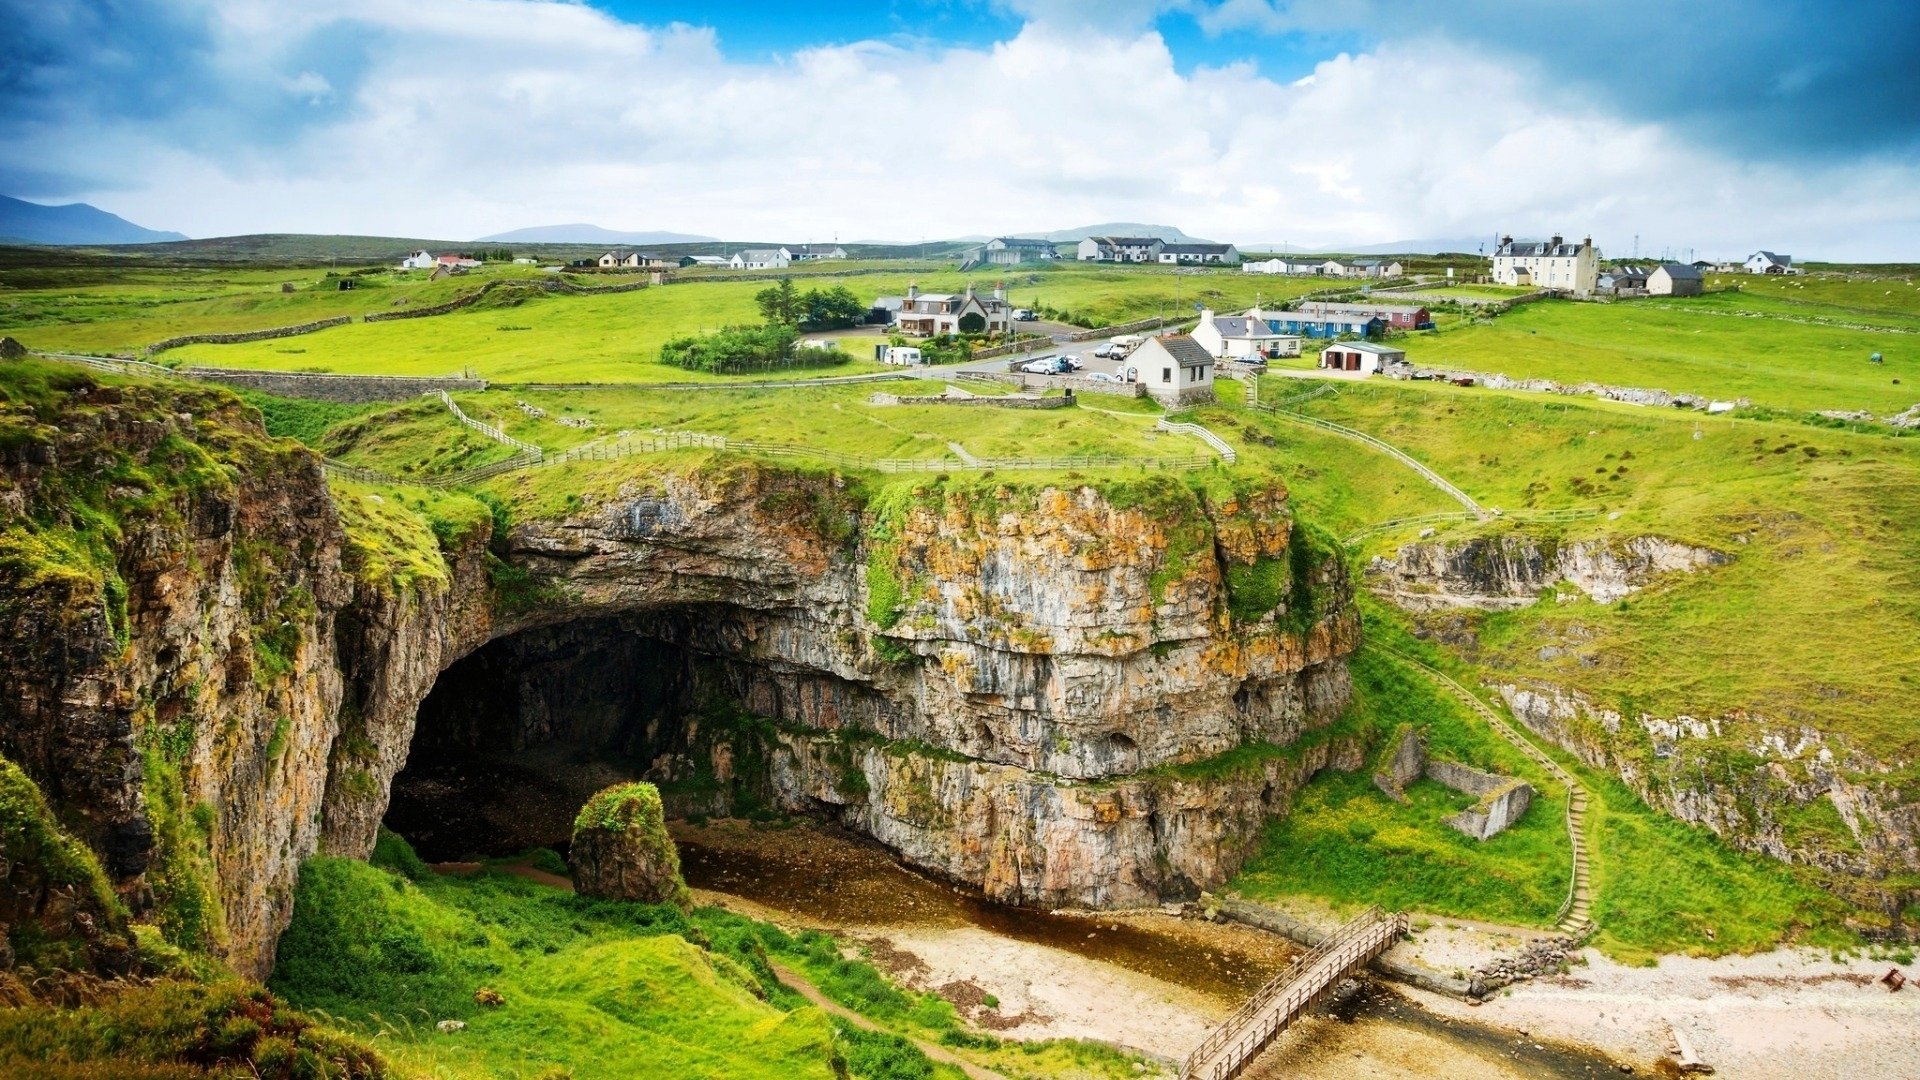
(474, 116)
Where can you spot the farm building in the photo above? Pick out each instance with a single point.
(457, 262)
(1675, 279)
(1397, 316)
(419, 260)
(1175, 369)
(1622, 281)
(1013, 250)
(937, 314)
(1548, 264)
(703, 260)
(813, 252)
(1199, 254)
(1362, 356)
(1239, 337)
(1766, 262)
(1120, 249)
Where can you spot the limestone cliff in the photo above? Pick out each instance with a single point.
(213, 663)
(1511, 570)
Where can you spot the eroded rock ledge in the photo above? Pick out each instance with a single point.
(1511, 570)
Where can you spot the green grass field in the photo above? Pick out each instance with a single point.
(1719, 344)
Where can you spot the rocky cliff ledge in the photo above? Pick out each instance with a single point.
(214, 671)
(1511, 570)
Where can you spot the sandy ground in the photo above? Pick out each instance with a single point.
(1786, 1013)
(1046, 993)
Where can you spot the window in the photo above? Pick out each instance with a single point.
(1166, 374)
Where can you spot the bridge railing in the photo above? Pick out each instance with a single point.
(1230, 1045)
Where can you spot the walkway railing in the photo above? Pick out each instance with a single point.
(1219, 444)
(1389, 449)
(1284, 999)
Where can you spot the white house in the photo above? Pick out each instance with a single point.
(1548, 264)
(1365, 357)
(419, 260)
(1281, 266)
(1199, 254)
(1120, 249)
(810, 252)
(936, 314)
(457, 262)
(1012, 250)
(1675, 279)
(761, 259)
(1175, 369)
(1766, 262)
(1242, 337)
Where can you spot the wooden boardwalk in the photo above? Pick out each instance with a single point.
(1287, 997)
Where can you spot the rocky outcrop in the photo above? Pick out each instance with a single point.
(1781, 790)
(214, 671)
(1512, 570)
(621, 850)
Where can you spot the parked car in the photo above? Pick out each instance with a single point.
(1074, 363)
(1041, 365)
(1023, 315)
(1131, 374)
(1104, 351)
(1101, 376)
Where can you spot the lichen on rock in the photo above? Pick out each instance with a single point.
(621, 850)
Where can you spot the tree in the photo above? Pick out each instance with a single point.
(780, 305)
(831, 309)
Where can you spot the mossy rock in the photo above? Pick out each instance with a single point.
(621, 850)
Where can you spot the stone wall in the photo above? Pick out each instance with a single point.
(1402, 764)
(348, 389)
(1503, 799)
(994, 402)
(247, 335)
(1496, 810)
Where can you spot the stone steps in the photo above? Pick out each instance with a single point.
(1577, 921)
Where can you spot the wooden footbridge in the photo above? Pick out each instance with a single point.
(1285, 999)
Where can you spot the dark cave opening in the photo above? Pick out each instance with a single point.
(517, 735)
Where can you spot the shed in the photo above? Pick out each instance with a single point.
(1675, 279)
(1175, 369)
(1365, 357)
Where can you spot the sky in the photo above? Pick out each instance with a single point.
(1707, 128)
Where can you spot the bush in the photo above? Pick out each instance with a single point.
(735, 350)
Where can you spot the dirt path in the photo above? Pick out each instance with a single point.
(938, 1053)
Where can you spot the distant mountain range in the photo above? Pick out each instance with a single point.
(583, 233)
(75, 223)
(1114, 228)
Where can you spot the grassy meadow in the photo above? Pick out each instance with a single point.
(1805, 356)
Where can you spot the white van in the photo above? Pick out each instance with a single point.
(905, 355)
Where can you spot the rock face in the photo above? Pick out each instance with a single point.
(1745, 778)
(1511, 570)
(621, 850)
(214, 673)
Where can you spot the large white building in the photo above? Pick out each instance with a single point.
(1766, 262)
(1121, 249)
(761, 259)
(1548, 264)
(936, 314)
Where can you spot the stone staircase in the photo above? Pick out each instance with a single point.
(1575, 918)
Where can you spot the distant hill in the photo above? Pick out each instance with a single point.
(74, 223)
(589, 234)
(1115, 228)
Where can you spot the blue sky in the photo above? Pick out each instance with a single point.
(1715, 125)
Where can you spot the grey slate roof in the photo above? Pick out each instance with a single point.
(1329, 308)
(1682, 271)
(1241, 326)
(759, 254)
(1195, 249)
(1185, 350)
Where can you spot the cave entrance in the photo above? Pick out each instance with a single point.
(515, 736)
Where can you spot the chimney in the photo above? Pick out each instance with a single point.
(913, 290)
(1555, 242)
(1000, 290)
(1506, 241)
(1587, 243)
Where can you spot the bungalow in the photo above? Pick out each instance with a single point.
(1675, 279)
(632, 260)
(1120, 249)
(939, 314)
(1336, 268)
(1281, 266)
(1361, 356)
(1199, 254)
(1548, 264)
(419, 260)
(1013, 250)
(1240, 337)
(1175, 369)
(1378, 268)
(1397, 316)
(1327, 324)
(761, 259)
(812, 252)
(1766, 262)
